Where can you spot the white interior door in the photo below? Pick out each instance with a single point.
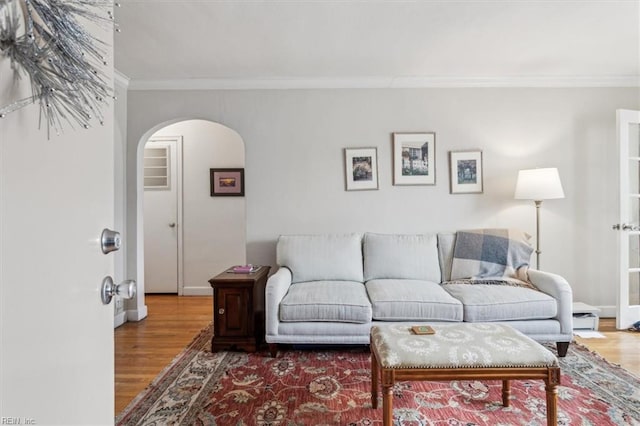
(162, 224)
(628, 298)
(56, 336)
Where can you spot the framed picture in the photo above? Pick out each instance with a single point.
(227, 182)
(414, 158)
(361, 168)
(465, 172)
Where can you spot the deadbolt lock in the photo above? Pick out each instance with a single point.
(110, 241)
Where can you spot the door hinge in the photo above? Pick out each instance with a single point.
(626, 227)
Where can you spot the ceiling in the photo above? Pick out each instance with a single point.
(377, 43)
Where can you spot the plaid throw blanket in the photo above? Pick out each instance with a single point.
(494, 254)
(492, 281)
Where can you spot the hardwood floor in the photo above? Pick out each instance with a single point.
(619, 347)
(144, 348)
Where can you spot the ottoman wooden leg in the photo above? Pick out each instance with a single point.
(551, 387)
(387, 405)
(374, 380)
(506, 392)
(552, 401)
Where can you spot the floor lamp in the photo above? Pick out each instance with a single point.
(538, 185)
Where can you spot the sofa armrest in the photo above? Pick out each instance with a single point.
(277, 286)
(558, 288)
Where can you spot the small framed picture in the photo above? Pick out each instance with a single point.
(465, 172)
(361, 168)
(227, 182)
(414, 158)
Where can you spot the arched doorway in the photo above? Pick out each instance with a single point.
(212, 229)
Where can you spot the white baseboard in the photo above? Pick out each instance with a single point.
(137, 314)
(197, 291)
(607, 311)
(119, 319)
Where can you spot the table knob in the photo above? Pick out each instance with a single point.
(221, 311)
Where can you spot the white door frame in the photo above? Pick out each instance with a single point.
(120, 214)
(626, 314)
(178, 174)
(137, 310)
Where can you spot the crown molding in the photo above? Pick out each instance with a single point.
(404, 82)
(520, 81)
(262, 83)
(121, 79)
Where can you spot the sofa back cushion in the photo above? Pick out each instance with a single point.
(446, 243)
(411, 257)
(321, 257)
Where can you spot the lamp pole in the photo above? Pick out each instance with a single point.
(538, 204)
(538, 185)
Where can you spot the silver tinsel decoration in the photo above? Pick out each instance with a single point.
(64, 62)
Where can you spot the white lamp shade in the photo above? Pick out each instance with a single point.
(539, 184)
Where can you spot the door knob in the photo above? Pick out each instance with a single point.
(172, 225)
(126, 289)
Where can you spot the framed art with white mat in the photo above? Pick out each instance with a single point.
(465, 169)
(414, 158)
(361, 168)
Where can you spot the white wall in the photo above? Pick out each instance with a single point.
(214, 228)
(294, 143)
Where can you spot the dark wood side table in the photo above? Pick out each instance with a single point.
(238, 310)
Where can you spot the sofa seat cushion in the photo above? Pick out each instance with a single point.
(484, 302)
(337, 301)
(412, 300)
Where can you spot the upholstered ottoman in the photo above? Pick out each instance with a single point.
(462, 351)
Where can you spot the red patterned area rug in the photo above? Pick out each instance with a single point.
(332, 387)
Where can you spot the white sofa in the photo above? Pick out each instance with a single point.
(330, 289)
